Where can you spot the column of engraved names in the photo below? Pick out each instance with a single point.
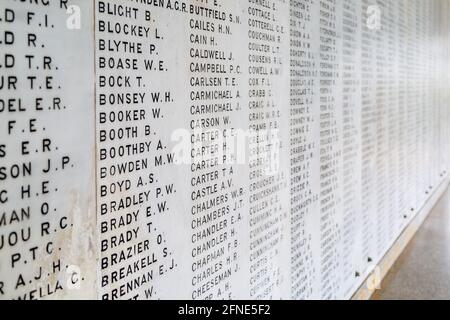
(351, 149)
(393, 200)
(431, 125)
(330, 149)
(411, 102)
(416, 124)
(403, 205)
(446, 78)
(442, 78)
(440, 93)
(425, 111)
(132, 196)
(421, 118)
(436, 96)
(434, 68)
(40, 126)
(267, 182)
(368, 136)
(303, 145)
(217, 192)
(382, 137)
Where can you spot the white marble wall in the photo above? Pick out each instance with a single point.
(215, 149)
(48, 233)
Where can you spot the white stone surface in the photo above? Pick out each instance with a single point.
(221, 149)
(48, 244)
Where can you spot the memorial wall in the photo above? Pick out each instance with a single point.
(212, 149)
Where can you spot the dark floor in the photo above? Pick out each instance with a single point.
(423, 271)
